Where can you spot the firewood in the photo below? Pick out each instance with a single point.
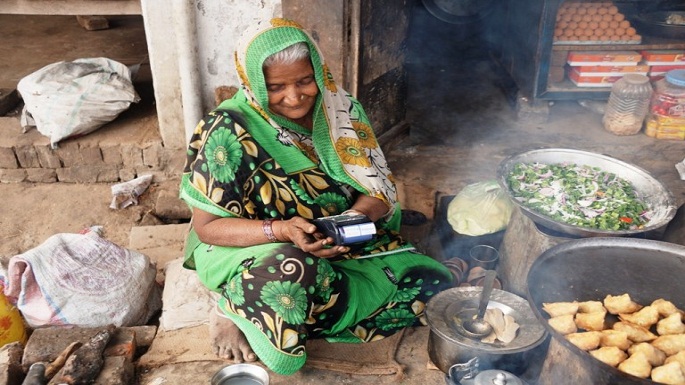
(84, 365)
(57, 364)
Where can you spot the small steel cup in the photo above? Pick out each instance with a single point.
(241, 374)
(483, 256)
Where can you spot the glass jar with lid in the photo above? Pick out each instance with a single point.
(667, 109)
(628, 104)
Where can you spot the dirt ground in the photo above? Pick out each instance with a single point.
(32, 212)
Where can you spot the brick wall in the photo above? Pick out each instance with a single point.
(75, 162)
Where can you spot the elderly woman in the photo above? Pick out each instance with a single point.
(290, 147)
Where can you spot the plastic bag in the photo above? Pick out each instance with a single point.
(480, 208)
(83, 280)
(67, 99)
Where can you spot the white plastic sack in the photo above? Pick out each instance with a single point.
(67, 99)
(480, 208)
(83, 280)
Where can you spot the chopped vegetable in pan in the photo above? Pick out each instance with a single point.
(579, 195)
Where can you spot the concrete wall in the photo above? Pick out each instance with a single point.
(191, 43)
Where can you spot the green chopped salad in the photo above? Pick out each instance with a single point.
(579, 195)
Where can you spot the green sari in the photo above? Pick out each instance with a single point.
(244, 162)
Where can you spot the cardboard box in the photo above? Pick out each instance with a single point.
(592, 81)
(662, 69)
(604, 58)
(610, 71)
(663, 57)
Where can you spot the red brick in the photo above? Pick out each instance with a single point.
(11, 372)
(122, 344)
(117, 370)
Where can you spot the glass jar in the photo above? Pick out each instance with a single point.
(628, 105)
(667, 109)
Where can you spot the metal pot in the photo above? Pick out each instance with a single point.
(590, 269)
(448, 348)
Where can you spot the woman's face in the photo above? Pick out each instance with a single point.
(292, 88)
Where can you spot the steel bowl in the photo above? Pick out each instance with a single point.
(653, 192)
(241, 374)
(654, 24)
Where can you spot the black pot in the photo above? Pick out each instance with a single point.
(590, 269)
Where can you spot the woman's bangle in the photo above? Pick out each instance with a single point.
(268, 230)
(351, 211)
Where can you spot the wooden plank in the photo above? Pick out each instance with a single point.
(71, 7)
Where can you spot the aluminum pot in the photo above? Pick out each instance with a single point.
(448, 347)
(590, 269)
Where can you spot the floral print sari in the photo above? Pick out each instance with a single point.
(244, 162)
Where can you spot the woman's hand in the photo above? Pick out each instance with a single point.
(304, 235)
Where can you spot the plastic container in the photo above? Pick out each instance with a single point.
(12, 328)
(628, 104)
(667, 108)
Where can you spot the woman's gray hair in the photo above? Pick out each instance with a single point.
(288, 55)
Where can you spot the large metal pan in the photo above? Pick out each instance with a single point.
(590, 269)
(651, 190)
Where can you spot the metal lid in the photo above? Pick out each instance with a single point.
(442, 309)
(676, 77)
(636, 78)
(496, 377)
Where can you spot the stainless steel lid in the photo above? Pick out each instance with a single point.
(496, 377)
(445, 306)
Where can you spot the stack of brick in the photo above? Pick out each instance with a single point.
(78, 163)
(46, 344)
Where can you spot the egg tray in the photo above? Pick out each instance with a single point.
(596, 42)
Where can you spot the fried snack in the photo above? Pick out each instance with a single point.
(615, 338)
(504, 326)
(637, 364)
(636, 333)
(610, 355)
(673, 324)
(591, 321)
(585, 340)
(678, 357)
(591, 307)
(510, 327)
(556, 309)
(665, 308)
(670, 373)
(645, 317)
(620, 304)
(655, 356)
(564, 324)
(670, 344)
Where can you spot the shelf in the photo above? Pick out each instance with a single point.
(647, 43)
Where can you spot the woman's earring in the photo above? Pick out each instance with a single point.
(301, 97)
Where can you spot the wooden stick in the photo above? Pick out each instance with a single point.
(58, 362)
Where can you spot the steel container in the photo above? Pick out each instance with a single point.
(241, 374)
(448, 347)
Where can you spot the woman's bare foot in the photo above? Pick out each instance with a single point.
(228, 342)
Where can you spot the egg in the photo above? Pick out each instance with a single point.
(615, 38)
(624, 24)
(577, 17)
(581, 11)
(602, 10)
(613, 24)
(620, 31)
(630, 31)
(562, 24)
(583, 24)
(603, 24)
(597, 18)
(619, 17)
(612, 10)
